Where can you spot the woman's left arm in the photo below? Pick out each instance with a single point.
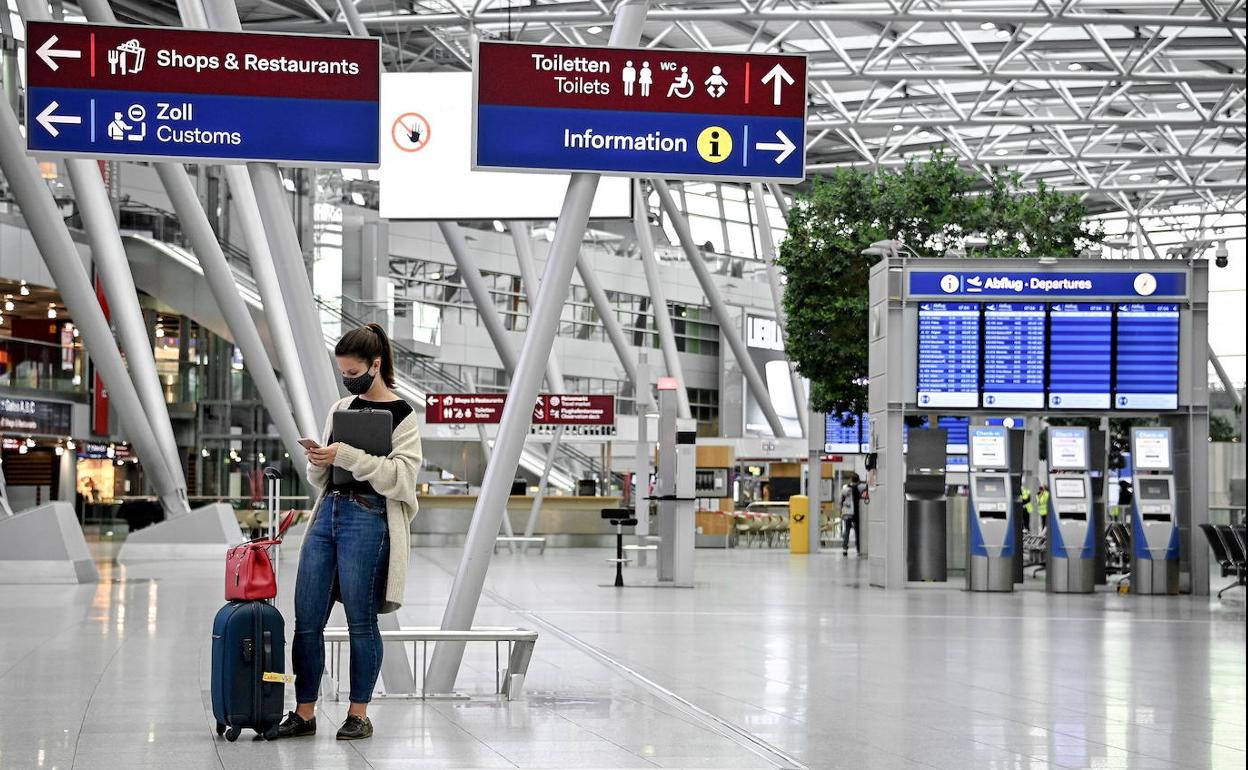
(393, 476)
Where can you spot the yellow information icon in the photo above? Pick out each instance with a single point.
(715, 144)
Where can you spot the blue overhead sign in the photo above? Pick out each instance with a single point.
(640, 112)
(152, 92)
(1047, 284)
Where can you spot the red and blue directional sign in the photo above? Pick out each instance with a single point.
(154, 92)
(640, 112)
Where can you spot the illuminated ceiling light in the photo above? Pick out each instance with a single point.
(1074, 66)
(1134, 177)
(435, 276)
(357, 198)
(1002, 151)
(24, 290)
(1001, 34)
(70, 445)
(21, 450)
(594, 30)
(51, 310)
(1182, 106)
(111, 451)
(203, 452)
(30, 441)
(498, 226)
(988, 25)
(60, 450)
(260, 458)
(8, 305)
(289, 184)
(160, 331)
(77, 380)
(925, 134)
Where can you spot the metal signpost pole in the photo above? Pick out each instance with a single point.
(517, 414)
(752, 378)
(768, 243)
(658, 301)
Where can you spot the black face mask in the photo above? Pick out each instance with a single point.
(358, 386)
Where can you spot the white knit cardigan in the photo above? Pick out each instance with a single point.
(394, 478)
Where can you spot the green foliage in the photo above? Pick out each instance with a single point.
(1221, 429)
(930, 207)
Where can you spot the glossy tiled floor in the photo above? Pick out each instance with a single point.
(771, 661)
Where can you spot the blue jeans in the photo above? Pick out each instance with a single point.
(348, 543)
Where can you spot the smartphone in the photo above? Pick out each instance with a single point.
(308, 443)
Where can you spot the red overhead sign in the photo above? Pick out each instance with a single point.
(550, 409)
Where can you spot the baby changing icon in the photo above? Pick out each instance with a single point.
(127, 58)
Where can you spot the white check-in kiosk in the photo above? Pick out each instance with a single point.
(1154, 514)
(1072, 530)
(990, 515)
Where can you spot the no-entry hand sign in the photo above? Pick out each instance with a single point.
(640, 112)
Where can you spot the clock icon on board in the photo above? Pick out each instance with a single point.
(1145, 284)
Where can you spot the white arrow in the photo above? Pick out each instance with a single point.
(49, 121)
(785, 147)
(781, 76)
(50, 54)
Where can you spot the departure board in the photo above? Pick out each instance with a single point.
(1146, 370)
(957, 434)
(1079, 355)
(1014, 353)
(839, 436)
(864, 436)
(948, 354)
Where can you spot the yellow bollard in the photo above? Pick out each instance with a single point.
(799, 524)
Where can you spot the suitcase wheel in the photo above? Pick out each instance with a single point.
(220, 729)
(232, 734)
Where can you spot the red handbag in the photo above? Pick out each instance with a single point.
(249, 568)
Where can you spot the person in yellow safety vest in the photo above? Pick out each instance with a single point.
(1042, 502)
(1028, 506)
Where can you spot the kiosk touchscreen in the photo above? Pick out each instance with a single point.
(990, 525)
(1154, 514)
(1072, 525)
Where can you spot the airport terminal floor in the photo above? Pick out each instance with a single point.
(772, 661)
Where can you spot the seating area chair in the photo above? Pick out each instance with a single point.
(1229, 547)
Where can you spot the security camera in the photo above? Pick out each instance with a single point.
(1220, 256)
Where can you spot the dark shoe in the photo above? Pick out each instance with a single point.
(293, 726)
(355, 728)
(845, 552)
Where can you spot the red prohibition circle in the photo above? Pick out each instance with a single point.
(400, 126)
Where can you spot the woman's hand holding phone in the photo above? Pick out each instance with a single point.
(320, 456)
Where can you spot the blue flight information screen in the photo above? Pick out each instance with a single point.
(1079, 355)
(948, 354)
(840, 437)
(1014, 352)
(1146, 371)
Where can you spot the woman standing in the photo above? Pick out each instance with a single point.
(357, 545)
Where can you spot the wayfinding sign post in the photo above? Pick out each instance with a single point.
(640, 112)
(154, 92)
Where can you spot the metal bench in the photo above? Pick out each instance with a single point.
(508, 682)
(521, 539)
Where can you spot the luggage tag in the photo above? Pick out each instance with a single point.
(271, 676)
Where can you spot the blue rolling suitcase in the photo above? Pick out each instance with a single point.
(248, 667)
(249, 658)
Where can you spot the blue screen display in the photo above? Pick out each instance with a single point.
(1079, 355)
(840, 437)
(1014, 355)
(957, 435)
(948, 354)
(1146, 371)
(865, 436)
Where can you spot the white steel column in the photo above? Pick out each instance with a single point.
(220, 279)
(517, 414)
(43, 217)
(658, 303)
(265, 274)
(615, 332)
(726, 323)
(100, 222)
(554, 378)
(286, 255)
(480, 293)
(768, 243)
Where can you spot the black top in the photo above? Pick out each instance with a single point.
(400, 409)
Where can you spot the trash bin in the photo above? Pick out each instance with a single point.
(926, 540)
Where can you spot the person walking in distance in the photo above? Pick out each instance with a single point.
(853, 495)
(357, 544)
